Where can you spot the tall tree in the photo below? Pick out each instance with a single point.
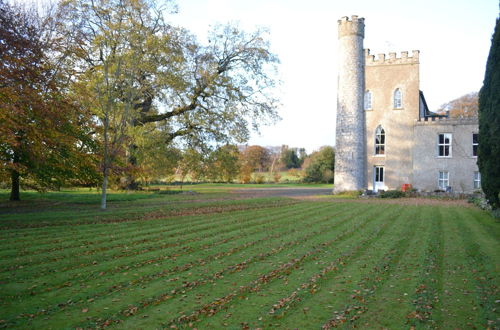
(44, 137)
(224, 163)
(489, 124)
(321, 165)
(289, 157)
(200, 93)
(125, 53)
(255, 158)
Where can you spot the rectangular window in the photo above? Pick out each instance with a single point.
(444, 145)
(368, 100)
(443, 180)
(475, 144)
(477, 180)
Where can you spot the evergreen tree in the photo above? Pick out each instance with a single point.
(489, 124)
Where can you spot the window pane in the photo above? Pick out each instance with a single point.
(475, 138)
(441, 138)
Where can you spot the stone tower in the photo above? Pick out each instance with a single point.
(350, 147)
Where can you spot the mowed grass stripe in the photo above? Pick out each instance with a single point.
(460, 305)
(394, 303)
(132, 262)
(374, 280)
(485, 270)
(129, 213)
(94, 235)
(276, 301)
(115, 283)
(211, 273)
(426, 309)
(315, 302)
(12, 236)
(219, 297)
(77, 265)
(118, 241)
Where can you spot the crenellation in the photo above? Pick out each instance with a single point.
(446, 121)
(383, 59)
(353, 26)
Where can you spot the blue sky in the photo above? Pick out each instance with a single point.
(453, 38)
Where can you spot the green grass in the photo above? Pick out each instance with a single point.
(224, 187)
(210, 261)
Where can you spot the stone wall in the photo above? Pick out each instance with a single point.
(350, 148)
(383, 76)
(460, 166)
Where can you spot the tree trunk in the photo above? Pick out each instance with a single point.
(105, 162)
(104, 187)
(14, 177)
(14, 192)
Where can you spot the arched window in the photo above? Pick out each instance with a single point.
(368, 100)
(380, 141)
(398, 99)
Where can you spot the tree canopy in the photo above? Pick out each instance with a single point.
(320, 165)
(140, 71)
(465, 106)
(45, 136)
(489, 124)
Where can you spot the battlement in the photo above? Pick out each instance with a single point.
(446, 121)
(353, 26)
(382, 59)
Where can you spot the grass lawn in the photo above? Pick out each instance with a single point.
(210, 260)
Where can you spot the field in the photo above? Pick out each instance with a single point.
(212, 259)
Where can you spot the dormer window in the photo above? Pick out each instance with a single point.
(368, 100)
(398, 99)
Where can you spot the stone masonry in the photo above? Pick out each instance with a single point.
(350, 146)
(410, 153)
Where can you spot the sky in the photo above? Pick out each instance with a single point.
(453, 36)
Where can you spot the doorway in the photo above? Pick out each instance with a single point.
(378, 178)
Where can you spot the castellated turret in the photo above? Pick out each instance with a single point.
(350, 147)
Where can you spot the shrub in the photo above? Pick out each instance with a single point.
(259, 178)
(276, 177)
(169, 192)
(392, 194)
(480, 202)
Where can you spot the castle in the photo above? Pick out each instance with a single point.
(386, 136)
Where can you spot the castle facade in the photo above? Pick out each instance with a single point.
(386, 136)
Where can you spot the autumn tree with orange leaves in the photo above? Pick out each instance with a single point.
(45, 138)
